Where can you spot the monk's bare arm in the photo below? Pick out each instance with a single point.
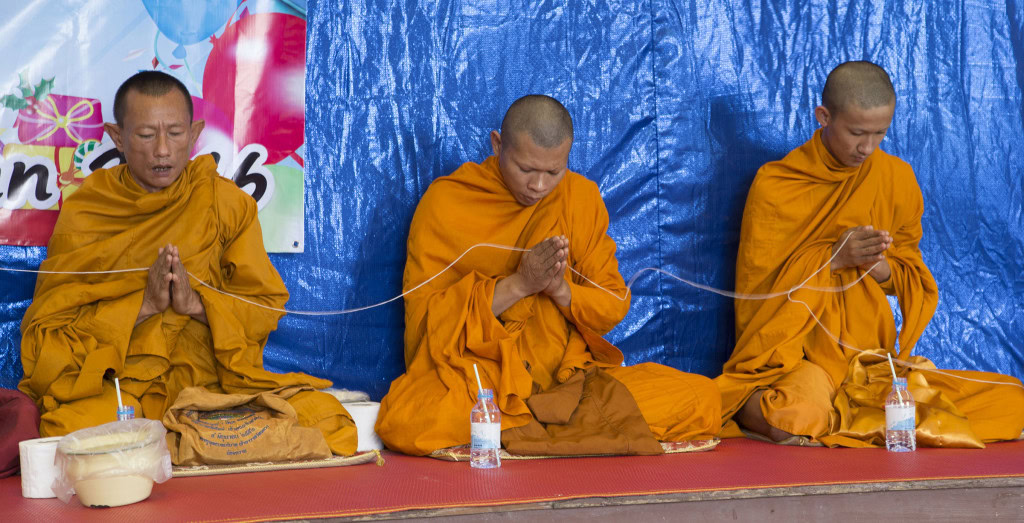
(506, 293)
(145, 312)
(882, 272)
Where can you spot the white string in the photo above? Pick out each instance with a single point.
(385, 302)
(902, 363)
(629, 286)
(72, 272)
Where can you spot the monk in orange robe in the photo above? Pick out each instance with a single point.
(841, 219)
(530, 324)
(158, 331)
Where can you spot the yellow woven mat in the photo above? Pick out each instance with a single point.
(334, 461)
(461, 453)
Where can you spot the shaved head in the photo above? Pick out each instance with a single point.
(860, 84)
(149, 83)
(540, 117)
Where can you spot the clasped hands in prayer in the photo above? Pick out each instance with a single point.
(864, 248)
(168, 286)
(541, 270)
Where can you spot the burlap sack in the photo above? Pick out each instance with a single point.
(206, 428)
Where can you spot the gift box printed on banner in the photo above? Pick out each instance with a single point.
(60, 121)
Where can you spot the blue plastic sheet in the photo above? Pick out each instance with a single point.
(676, 105)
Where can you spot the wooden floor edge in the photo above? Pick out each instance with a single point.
(712, 495)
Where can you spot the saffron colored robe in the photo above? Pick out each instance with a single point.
(796, 210)
(536, 344)
(80, 330)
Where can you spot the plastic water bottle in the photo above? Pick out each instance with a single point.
(485, 426)
(125, 413)
(899, 418)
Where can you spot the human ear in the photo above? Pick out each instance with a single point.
(496, 143)
(114, 131)
(822, 115)
(197, 129)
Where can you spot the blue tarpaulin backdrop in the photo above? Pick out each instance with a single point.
(676, 105)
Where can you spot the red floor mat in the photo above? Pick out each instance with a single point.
(406, 483)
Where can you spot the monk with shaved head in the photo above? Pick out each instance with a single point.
(531, 319)
(839, 220)
(102, 333)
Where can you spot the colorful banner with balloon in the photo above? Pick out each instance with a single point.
(242, 61)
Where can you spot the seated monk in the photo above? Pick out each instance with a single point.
(157, 331)
(531, 325)
(839, 212)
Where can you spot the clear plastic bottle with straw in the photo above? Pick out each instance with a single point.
(485, 429)
(900, 409)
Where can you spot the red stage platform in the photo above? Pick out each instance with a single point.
(408, 486)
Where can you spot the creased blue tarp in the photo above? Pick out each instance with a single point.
(676, 105)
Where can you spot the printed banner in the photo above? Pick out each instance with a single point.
(242, 61)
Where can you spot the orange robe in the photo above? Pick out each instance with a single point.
(535, 344)
(80, 330)
(796, 210)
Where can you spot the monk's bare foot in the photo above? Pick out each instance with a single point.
(751, 418)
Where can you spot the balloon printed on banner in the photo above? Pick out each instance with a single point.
(255, 74)
(216, 135)
(187, 22)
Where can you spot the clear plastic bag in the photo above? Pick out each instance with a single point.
(112, 464)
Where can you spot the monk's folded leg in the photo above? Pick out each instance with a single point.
(325, 412)
(59, 419)
(677, 406)
(800, 402)
(192, 364)
(995, 412)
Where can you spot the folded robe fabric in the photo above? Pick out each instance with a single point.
(80, 329)
(602, 418)
(535, 344)
(796, 210)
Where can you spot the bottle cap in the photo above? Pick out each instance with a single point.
(485, 394)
